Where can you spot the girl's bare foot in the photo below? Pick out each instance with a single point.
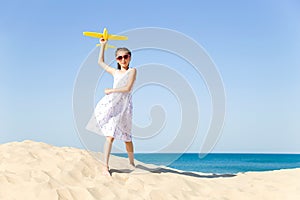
(131, 166)
(105, 171)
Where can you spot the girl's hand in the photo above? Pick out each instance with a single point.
(108, 91)
(102, 41)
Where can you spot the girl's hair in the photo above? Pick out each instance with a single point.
(122, 49)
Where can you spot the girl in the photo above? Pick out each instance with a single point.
(113, 113)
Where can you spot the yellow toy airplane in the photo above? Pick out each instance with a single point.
(105, 36)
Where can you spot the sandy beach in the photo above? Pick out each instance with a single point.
(36, 170)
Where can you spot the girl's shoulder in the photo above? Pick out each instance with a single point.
(132, 69)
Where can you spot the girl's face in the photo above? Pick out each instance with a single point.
(123, 58)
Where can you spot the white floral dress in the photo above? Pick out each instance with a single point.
(113, 113)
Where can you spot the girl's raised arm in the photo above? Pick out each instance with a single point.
(101, 62)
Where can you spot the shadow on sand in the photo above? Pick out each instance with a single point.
(167, 170)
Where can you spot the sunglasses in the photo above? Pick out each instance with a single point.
(121, 57)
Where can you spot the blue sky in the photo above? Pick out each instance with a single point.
(254, 44)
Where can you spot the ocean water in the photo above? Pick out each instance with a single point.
(221, 163)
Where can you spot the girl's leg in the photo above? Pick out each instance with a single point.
(107, 150)
(129, 149)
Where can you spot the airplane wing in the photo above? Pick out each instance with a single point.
(93, 34)
(117, 37)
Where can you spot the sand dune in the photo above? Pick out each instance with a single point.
(35, 170)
